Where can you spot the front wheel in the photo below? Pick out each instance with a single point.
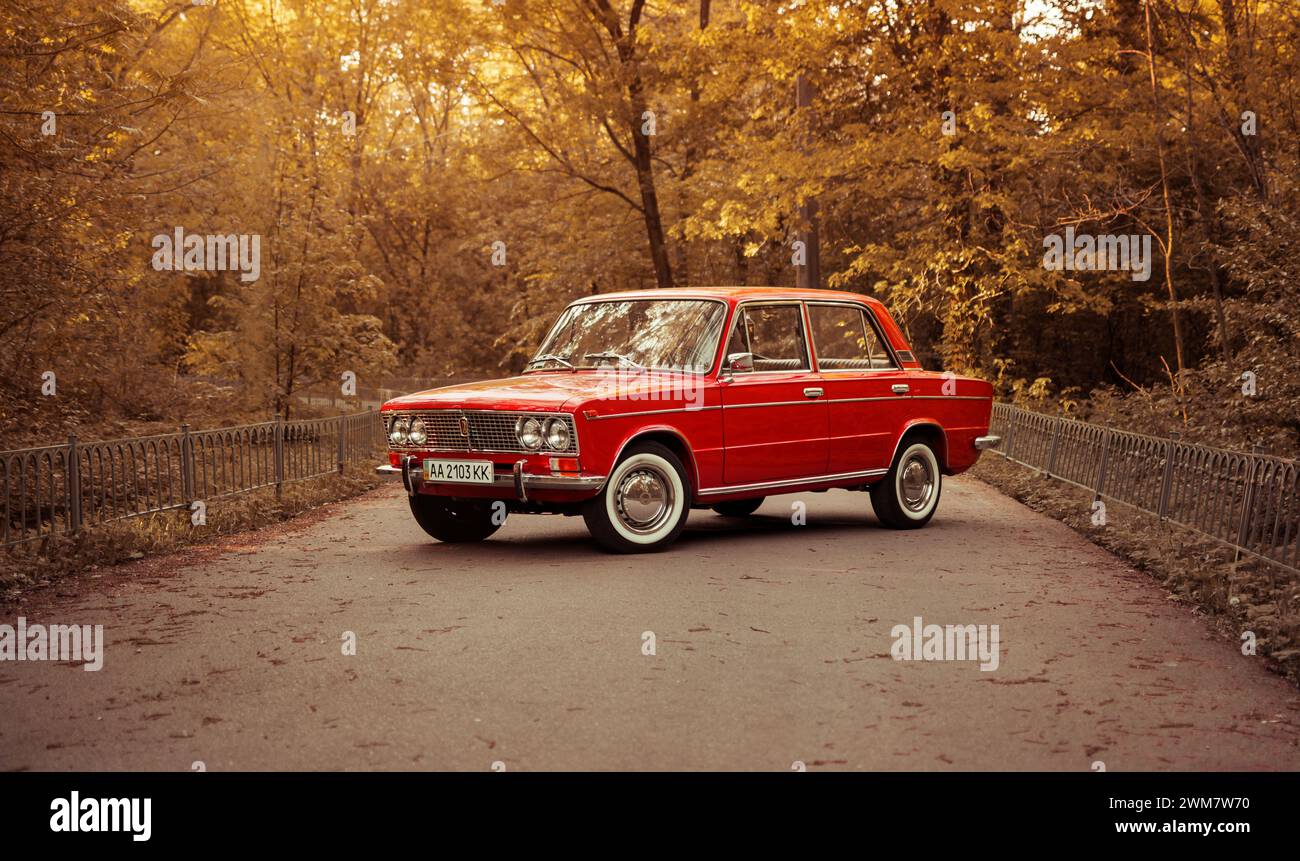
(457, 521)
(644, 503)
(908, 495)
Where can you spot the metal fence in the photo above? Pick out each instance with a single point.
(61, 489)
(1246, 501)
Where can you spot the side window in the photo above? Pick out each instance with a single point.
(774, 334)
(846, 339)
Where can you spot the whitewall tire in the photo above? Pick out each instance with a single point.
(644, 504)
(906, 498)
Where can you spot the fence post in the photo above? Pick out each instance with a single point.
(1167, 485)
(1056, 439)
(343, 431)
(187, 466)
(1248, 498)
(72, 474)
(279, 455)
(1105, 452)
(1011, 430)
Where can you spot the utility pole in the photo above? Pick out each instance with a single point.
(810, 274)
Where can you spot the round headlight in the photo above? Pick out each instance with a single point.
(417, 434)
(397, 433)
(557, 434)
(529, 432)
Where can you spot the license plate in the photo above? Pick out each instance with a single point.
(459, 471)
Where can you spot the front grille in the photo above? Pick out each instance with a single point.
(444, 431)
(489, 430)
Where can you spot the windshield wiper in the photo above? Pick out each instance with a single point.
(551, 357)
(618, 356)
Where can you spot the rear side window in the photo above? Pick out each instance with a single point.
(846, 338)
(773, 334)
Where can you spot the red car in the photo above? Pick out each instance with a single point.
(640, 406)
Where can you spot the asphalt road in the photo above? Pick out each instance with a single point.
(772, 647)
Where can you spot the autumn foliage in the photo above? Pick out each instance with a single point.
(431, 181)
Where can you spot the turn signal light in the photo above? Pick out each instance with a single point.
(565, 465)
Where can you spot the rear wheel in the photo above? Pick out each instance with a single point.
(644, 503)
(739, 507)
(908, 495)
(456, 521)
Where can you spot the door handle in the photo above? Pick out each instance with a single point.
(813, 392)
(900, 388)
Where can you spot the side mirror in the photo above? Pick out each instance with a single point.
(740, 362)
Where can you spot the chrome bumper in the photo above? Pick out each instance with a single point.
(518, 482)
(986, 442)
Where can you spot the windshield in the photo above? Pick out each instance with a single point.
(659, 334)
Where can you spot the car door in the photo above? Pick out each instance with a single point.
(866, 390)
(774, 414)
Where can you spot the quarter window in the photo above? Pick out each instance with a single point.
(846, 339)
(773, 334)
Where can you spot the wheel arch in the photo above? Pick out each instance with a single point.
(926, 430)
(671, 439)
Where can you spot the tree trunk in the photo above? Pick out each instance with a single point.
(645, 178)
(1157, 116)
(689, 156)
(1208, 219)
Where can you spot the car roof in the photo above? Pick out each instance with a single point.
(733, 294)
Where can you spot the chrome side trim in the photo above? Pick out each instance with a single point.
(772, 404)
(655, 413)
(950, 398)
(987, 442)
(791, 482)
(860, 400)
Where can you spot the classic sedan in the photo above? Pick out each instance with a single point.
(640, 406)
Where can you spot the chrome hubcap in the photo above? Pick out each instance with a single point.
(644, 499)
(916, 483)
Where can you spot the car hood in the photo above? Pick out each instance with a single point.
(541, 391)
(528, 392)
